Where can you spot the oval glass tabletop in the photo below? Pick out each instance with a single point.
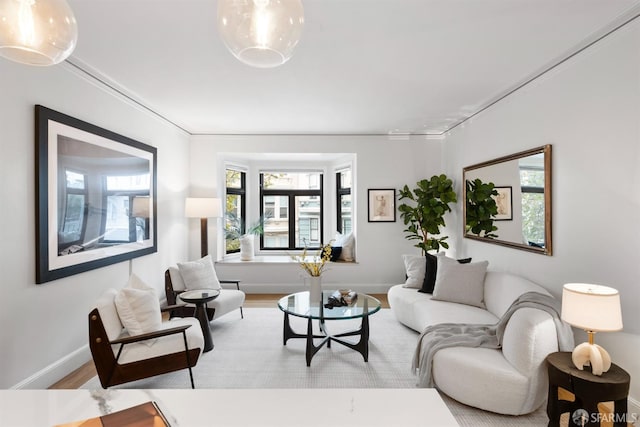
(298, 305)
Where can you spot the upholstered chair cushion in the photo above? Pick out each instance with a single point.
(138, 308)
(109, 314)
(198, 274)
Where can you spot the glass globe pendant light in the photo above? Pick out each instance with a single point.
(37, 32)
(261, 33)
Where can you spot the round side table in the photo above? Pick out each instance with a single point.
(588, 389)
(200, 298)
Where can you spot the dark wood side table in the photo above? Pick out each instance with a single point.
(588, 389)
(200, 299)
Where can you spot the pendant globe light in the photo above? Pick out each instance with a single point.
(261, 33)
(37, 32)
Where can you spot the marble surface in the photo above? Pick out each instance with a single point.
(234, 407)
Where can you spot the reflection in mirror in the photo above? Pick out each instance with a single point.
(104, 199)
(508, 200)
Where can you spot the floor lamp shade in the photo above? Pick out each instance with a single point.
(203, 208)
(37, 32)
(594, 308)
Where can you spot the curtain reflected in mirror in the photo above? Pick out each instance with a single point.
(508, 201)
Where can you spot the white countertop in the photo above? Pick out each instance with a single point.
(234, 407)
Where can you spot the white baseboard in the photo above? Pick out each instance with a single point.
(287, 288)
(53, 373)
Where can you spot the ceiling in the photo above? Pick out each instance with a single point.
(366, 67)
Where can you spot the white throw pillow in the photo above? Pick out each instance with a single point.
(138, 308)
(347, 242)
(461, 283)
(415, 269)
(199, 274)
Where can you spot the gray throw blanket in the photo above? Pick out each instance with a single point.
(437, 337)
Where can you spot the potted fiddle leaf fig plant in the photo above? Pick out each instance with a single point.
(481, 208)
(424, 211)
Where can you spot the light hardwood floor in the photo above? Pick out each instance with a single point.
(87, 371)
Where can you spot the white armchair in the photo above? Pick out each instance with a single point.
(121, 355)
(201, 275)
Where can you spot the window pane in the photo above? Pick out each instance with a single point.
(233, 222)
(307, 221)
(134, 182)
(73, 219)
(533, 217)
(532, 177)
(276, 223)
(234, 179)
(345, 179)
(74, 180)
(291, 180)
(117, 222)
(345, 213)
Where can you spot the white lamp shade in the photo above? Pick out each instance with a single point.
(140, 207)
(261, 33)
(590, 307)
(202, 207)
(37, 32)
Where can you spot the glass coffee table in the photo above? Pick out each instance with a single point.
(298, 305)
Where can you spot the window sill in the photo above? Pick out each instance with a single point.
(270, 259)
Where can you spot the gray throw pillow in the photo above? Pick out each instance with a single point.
(460, 283)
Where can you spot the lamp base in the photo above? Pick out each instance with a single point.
(591, 354)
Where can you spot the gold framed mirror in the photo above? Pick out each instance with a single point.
(508, 201)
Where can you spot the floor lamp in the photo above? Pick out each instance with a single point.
(203, 208)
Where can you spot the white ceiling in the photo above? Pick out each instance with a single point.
(361, 67)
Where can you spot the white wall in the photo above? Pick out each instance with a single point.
(380, 163)
(588, 108)
(44, 327)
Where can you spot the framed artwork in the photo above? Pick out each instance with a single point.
(504, 203)
(382, 205)
(96, 196)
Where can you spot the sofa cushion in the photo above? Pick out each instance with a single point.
(431, 271)
(414, 267)
(460, 283)
(418, 311)
(199, 274)
(347, 242)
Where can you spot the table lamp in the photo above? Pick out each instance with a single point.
(594, 308)
(203, 208)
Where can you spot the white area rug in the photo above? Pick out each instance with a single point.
(249, 353)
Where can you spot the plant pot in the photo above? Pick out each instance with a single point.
(246, 247)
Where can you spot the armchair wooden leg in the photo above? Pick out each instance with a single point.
(186, 349)
(241, 313)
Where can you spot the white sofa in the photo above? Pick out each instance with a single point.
(511, 380)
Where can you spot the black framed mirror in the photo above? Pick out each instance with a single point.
(508, 201)
(95, 197)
